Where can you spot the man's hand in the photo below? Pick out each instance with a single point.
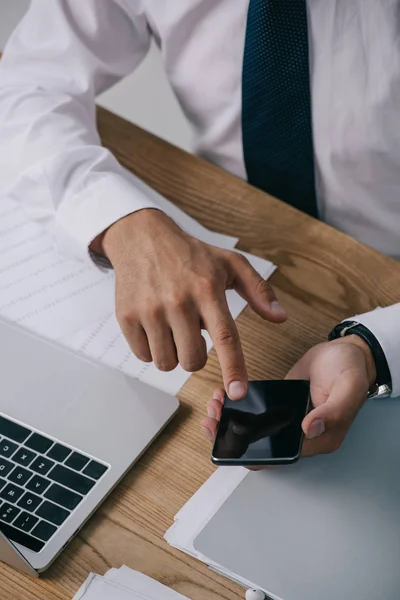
(170, 285)
(341, 373)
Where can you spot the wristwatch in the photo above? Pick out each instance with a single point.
(383, 384)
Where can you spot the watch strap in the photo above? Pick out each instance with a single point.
(383, 377)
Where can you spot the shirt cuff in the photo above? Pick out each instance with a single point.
(384, 323)
(85, 215)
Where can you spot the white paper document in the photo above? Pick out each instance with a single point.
(41, 289)
(125, 584)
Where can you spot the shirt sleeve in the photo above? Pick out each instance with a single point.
(384, 323)
(62, 54)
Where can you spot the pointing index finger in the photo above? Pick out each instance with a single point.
(224, 334)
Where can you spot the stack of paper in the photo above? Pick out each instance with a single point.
(125, 584)
(197, 513)
(70, 301)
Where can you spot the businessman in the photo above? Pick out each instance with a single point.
(301, 98)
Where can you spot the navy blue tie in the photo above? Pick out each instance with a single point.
(276, 109)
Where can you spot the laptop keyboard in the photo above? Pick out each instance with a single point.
(41, 483)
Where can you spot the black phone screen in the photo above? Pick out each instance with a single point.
(265, 425)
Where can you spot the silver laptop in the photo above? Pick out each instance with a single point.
(69, 430)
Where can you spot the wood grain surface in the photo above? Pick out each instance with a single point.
(323, 276)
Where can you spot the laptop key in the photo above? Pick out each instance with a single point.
(15, 535)
(76, 461)
(11, 492)
(60, 495)
(8, 513)
(13, 430)
(51, 512)
(94, 470)
(20, 475)
(7, 448)
(25, 521)
(2, 483)
(44, 530)
(5, 467)
(70, 479)
(39, 443)
(24, 457)
(38, 484)
(41, 465)
(29, 501)
(59, 452)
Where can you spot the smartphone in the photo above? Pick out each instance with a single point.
(265, 427)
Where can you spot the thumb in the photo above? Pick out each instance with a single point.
(340, 409)
(257, 292)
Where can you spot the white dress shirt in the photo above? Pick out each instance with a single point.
(65, 52)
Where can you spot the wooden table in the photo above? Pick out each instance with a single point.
(323, 276)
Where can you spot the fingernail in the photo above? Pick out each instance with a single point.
(236, 390)
(278, 309)
(208, 433)
(317, 428)
(212, 413)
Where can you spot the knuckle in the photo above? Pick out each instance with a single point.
(153, 311)
(226, 336)
(177, 300)
(126, 317)
(207, 286)
(263, 288)
(240, 260)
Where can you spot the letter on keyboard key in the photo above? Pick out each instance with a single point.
(20, 475)
(8, 512)
(25, 521)
(75, 481)
(11, 492)
(13, 430)
(41, 465)
(7, 448)
(38, 484)
(29, 502)
(24, 457)
(44, 530)
(5, 467)
(52, 513)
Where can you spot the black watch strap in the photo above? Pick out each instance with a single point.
(354, 328)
